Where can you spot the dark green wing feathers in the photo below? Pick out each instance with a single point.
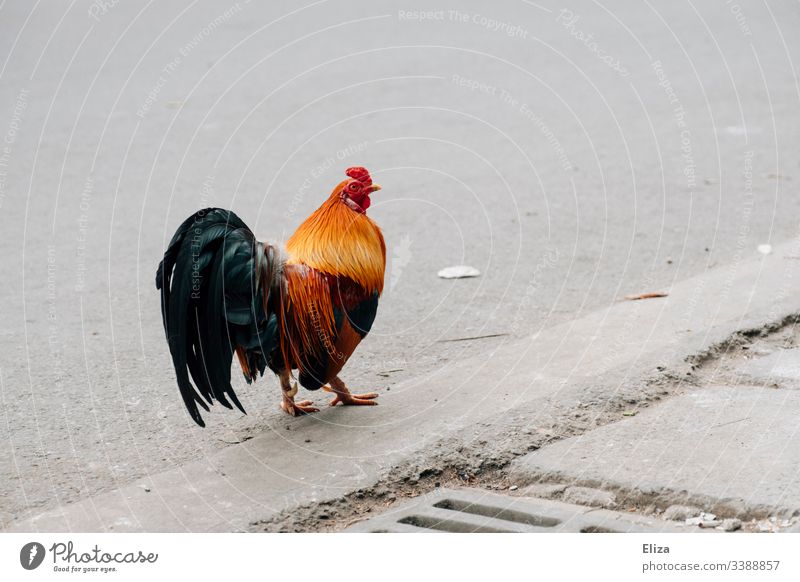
(362, 315)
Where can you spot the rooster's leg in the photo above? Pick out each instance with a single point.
(343, 395)
(288, 404)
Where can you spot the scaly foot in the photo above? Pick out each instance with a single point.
(343, 395)
(288, 404)
(298, 408)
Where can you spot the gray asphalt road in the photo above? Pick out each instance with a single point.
(573, 153)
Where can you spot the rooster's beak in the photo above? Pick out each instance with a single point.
(373, 188)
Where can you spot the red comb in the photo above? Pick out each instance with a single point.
(360, 174)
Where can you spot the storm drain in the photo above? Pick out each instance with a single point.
(478, 511)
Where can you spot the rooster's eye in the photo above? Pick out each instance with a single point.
(354, 187)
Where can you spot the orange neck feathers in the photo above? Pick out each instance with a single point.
(339, 241)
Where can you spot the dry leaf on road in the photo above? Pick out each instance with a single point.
(645, 296)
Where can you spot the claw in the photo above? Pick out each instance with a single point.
(298, 408)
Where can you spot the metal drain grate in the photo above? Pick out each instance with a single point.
(478, 511)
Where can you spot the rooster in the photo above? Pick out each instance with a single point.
(304, 308)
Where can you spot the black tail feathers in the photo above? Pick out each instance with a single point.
(215, 281)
